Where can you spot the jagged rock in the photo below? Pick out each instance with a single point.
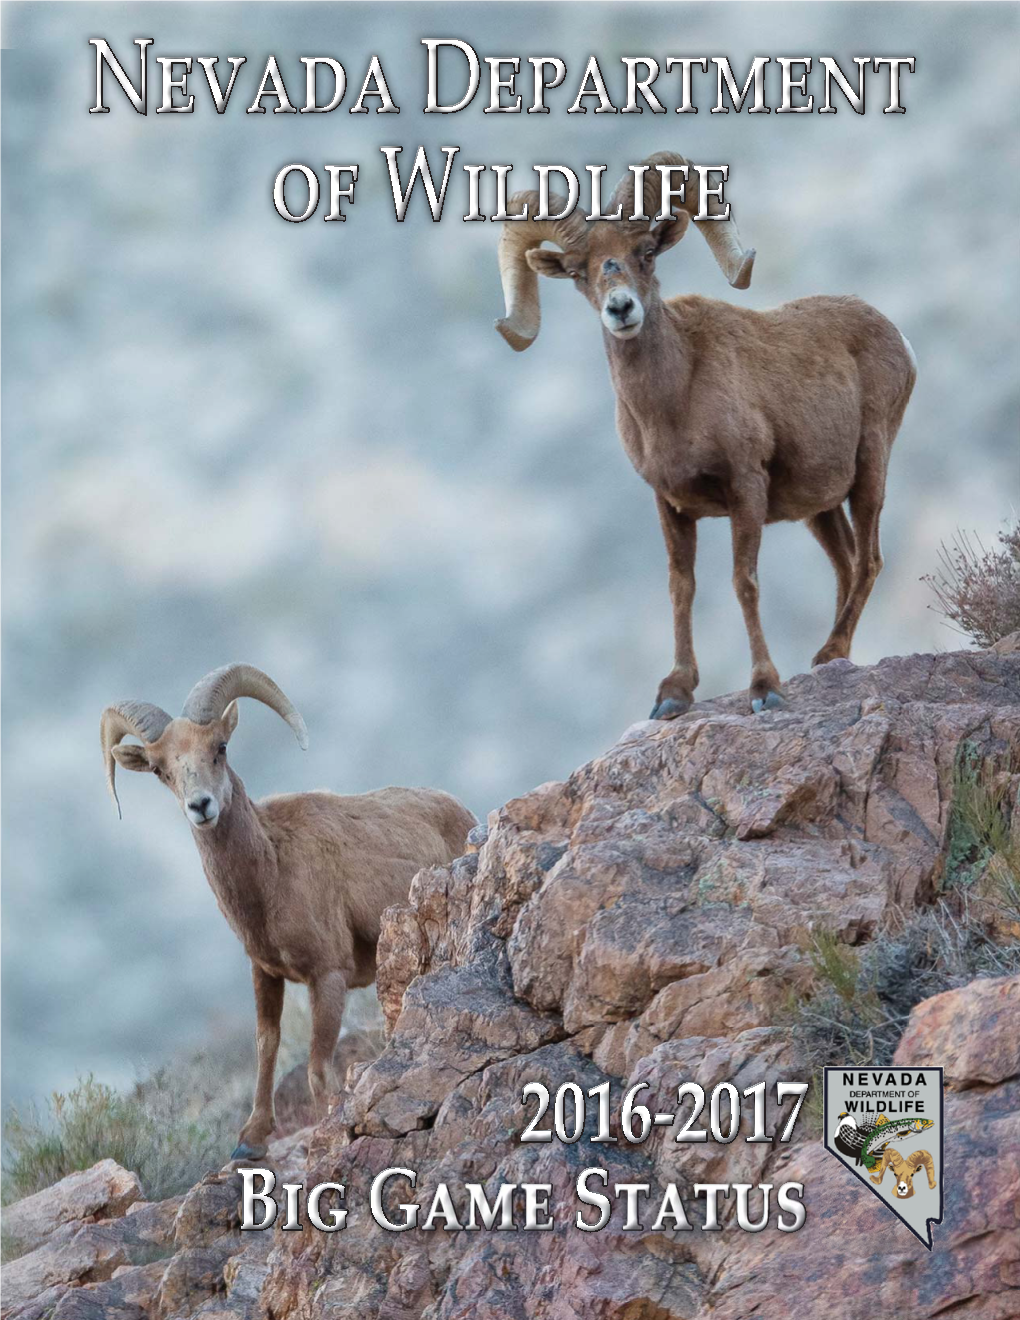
(102, 1192)
(851, 1260)
(1008, 645)
(760, 1055)
(973, 1033)
(210, 1211)
(88, 1253)
(128, 1295)
(218, 1271)
(289, 1155)
(245, 1273)
(193, 1276)
(81, 1257)
(470, 1018)
(40, 1307)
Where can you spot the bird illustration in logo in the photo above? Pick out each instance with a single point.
(865, 1144)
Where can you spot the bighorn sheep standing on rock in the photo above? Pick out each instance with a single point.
(757, 417)
(302, 878)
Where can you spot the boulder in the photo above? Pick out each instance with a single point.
(102, 1192)
(88, 1253)
(128, 1295)
(973, 1033)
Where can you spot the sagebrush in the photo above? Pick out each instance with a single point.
(151, 1133)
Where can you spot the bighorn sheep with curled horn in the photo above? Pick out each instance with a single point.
(726, 412)
(302, 878)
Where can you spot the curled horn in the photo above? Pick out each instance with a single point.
(520, 326)
(135, 719)
(211, 695)
(922, 1159)
(734, 260)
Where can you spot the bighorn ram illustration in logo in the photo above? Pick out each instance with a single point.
(904, 1170)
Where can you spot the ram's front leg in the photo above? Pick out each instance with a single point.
(747, 517)
(251, 1144)
(676, 691)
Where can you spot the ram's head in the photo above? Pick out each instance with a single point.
(189, 754)
(612, 262)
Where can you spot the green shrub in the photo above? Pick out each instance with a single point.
(836, 965)
(861, 998)
(148, 1131)
(982, 852)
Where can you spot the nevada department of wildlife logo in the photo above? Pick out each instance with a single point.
(885, 1124)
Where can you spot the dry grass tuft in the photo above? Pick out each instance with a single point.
(978, 590)
(983, 848)
(860, 998)
(150, 1132)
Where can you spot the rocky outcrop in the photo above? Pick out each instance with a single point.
(641, 923)
(852, 1260)
(975, 1266)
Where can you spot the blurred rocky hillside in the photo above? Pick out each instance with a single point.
(229, 438)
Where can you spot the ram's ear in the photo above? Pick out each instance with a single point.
(547, 261)
(228, 720)
(671, 231)
(129, 756)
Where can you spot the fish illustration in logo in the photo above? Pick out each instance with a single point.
(865, 1145)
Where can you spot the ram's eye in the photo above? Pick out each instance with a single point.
(221, 749)
(157, 772)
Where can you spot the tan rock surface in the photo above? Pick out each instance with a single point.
(102, 1192)
(87, 1252)
(973, 1033)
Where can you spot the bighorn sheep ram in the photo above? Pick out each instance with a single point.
(754, 416)
(302, 878)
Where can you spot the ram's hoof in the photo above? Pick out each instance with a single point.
(826, 656)
(773, 701)
(669, 709)
(246, 1152)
